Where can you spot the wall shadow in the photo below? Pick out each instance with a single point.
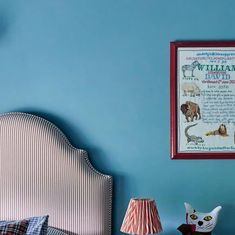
(4, 24)
(119, 202)
(226, 220)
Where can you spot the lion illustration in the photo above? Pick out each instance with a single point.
(222, 131)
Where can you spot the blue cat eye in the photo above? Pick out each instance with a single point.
(208, 218)
(193, 216)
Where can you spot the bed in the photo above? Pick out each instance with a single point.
(41, 173)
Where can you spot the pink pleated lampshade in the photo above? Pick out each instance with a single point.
(141, 218)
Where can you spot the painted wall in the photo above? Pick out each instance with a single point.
(100, 71)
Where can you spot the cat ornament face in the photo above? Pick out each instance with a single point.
(204, 222)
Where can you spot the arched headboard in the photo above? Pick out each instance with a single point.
(42, 173)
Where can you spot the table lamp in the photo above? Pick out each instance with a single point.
(141, 217)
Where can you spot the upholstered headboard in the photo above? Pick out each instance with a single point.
(42, 173)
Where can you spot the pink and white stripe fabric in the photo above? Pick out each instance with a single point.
(41, 173)
(141, 218)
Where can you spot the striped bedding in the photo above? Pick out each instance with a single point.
(54, 231)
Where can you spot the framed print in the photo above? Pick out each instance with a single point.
(203, 100)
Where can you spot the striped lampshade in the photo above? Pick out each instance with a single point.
(141, 218)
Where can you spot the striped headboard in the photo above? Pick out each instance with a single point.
(42, 173)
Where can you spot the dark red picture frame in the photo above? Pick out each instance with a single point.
(175, 154)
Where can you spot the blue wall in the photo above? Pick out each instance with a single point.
(100, 71)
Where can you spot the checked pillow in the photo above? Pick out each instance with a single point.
(18, 228)
(37, 225)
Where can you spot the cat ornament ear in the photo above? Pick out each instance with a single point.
(203, 222)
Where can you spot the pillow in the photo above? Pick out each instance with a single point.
(54, 231)
(203, 222)
(18, 228)
(37, 225)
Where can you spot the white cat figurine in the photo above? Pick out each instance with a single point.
(204, 222)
